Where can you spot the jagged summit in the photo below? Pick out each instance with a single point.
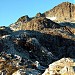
(62, 12)
(24, 18)
(66, 2)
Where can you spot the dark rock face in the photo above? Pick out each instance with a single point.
(35, 49)
(5, 31)
(48, 45)
(2, 32)
(63, 12)
(1, 47)
(69, 24)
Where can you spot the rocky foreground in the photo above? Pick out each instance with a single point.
(15, 65)
(64, 66)
(29, 52)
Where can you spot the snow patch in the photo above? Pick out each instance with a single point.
(51, 18)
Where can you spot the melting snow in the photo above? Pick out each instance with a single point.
(51, 18)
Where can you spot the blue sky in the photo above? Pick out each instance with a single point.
(11, 10)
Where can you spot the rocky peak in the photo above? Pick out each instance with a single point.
(39, 15)
(62, 12)
(24, 19)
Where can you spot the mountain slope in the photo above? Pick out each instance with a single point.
(62, 12)
(36, 24)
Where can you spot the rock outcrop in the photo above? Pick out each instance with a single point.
(24, 19)
(5, 30)
(36, 24)
(39, 15)
(39, 24)
(64, 66)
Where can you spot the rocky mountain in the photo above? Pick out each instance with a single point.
(30, 45)
(62, 12)
(37, 24)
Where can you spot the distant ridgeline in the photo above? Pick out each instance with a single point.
(61, 13)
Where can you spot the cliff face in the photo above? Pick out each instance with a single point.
(63, 12)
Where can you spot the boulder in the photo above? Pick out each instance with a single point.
(64, 66)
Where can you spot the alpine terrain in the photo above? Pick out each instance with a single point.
(40, 45)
